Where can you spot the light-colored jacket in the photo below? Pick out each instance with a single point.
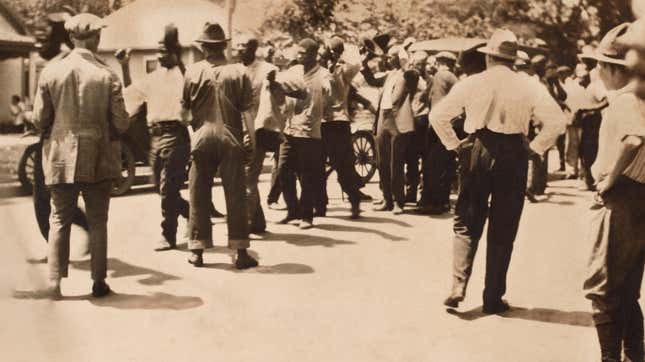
(80, 110)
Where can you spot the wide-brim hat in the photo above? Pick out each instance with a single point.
(610, 49)
(213, 33)
(502, 44)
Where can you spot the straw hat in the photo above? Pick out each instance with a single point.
(502, 44)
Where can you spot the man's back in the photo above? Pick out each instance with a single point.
(80, 108)
(218, 93)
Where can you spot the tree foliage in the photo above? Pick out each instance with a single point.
(562, 24)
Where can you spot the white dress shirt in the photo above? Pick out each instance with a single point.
(625, 116)
(162, 92)
(502, 101)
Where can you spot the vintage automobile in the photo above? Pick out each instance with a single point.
(135, 145)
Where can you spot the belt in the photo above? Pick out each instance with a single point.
(160, 127)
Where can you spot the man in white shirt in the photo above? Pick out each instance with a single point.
(395, 126)
(616, 228)
(268, 135)
(499, 104)
(161, 91)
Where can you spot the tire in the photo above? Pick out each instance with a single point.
(26, 168)
(128, 169)
(365, 152)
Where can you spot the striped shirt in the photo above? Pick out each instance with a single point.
(625, 116)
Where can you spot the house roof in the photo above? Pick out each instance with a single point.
(12, 17)
(140, 24)
(14, 44)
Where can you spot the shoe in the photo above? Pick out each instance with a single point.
(411, 198)
(397, 210)
(53, 292)
(100, 289)
(277, 206)
(288, 219)
(245, 262)
(531, 197)
(356, 212)
(570, 176)
(384, 207)
(364, 197)
(306, 224)
(196, 260)
(430, 210)
(496, 308)
(216, 214)
(165, 245)
(378, 202)
(453, 301)
(257, 230)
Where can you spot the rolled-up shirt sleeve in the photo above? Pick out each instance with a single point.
(445, 111)
(547, 112)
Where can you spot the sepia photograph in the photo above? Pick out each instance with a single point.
(312, 180)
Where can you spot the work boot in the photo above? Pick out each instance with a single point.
(497, 307)
(100, 289)
(356, 211)
(306, 224)
(165, 245)
(288, 219)
(363, 196)
(384, 207)
(397, 210)
(196, 259)
(244, 260)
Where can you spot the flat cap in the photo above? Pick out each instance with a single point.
(84, 25)
(446, 55)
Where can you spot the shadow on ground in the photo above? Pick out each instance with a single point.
(545, 315)
(304, 240)
(285, 268)
(124, 301)
(120, 269)
(375, 219)
(358, 229)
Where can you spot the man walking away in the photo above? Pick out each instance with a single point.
(79, 107)
(499, 104)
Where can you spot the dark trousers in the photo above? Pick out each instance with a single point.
(276, 186)
(301, 157)
(169, 154)
(391, 148)
(560, 145)
(217, 148)
(64, 198)
(416, 151)
(338, 149)
(439, 172)
(589, 145)
(538, 174)
(497, 169)
(42, 201)
(266, 141)
(615, 271)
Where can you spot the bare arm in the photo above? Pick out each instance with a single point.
(627, 150)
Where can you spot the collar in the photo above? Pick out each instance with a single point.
(629, 88)
(312, 71)
(82, 51)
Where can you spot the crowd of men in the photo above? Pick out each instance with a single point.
(490, 130)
